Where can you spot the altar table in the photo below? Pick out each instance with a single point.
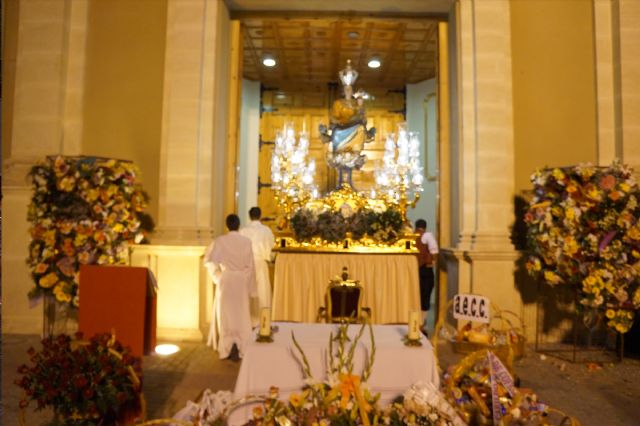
(390, 283)
(396, 366)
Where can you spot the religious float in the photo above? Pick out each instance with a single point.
(345, 219)
(365, 230)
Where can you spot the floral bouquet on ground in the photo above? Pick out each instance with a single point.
(583, 229)
(85, 383)
(483, 392)
(84, 210)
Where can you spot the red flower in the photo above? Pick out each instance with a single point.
(88, 393)
(80, 382)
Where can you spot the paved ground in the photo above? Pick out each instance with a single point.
(597, 394)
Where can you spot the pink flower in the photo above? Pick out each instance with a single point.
(607, 182)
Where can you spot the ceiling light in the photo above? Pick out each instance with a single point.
(167, 349)
(374, 62)
(268, 61)
(353, 34)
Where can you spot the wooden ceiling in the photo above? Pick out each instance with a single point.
(310, 51)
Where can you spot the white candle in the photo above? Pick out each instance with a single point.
(265, 322)
(414, 325)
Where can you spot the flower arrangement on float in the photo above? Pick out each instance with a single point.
(583, 229)
(84, 210)
(342, 398)
(380, 225)
(84, 382)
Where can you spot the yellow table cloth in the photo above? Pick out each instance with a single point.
(390, 283)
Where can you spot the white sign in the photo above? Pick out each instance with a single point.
(471, 307)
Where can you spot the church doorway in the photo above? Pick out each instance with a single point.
(308, 52)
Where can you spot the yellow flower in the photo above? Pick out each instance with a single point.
(594, 193)
(621, 328)
(570, 213)
(551, 277)
(92, 195)
(634, 233)
(66, 184)
(60, 294)
(49, 237)
(118, 227)
(48, 280)
(570, 245)
(296, 400)
(558, 174)
(80, 240)
(112, 190)
(624, 187)
(610, 313)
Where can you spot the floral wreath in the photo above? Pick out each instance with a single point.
(583, 229)
(84, 210)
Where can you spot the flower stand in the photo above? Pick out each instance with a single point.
(58, 318)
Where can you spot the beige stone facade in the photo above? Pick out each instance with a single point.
(523, 93)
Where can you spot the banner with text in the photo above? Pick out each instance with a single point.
(471, 307)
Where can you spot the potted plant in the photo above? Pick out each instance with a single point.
(95, 382)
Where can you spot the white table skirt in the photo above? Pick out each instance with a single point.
(395, 367)
(390, 283)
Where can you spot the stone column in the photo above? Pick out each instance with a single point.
(607, 42)
(45, 117)
(190, 148)
(48, 84)
(481, 261)
(630, 81)
(617, 43)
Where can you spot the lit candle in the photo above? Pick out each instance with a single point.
(414, 325)
(265, 322)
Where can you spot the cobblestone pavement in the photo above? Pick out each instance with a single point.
(597, 394)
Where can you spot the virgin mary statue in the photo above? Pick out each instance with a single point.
(347, 131)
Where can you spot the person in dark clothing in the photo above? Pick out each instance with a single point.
(427, 253)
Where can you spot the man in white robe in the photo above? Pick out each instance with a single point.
(262, 241)
(229, 260)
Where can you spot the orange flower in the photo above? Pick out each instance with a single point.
(67, 247)
(41, 268)
(100, 237)
(348, 385)
(614, 195)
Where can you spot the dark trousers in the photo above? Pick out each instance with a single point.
(427, 282)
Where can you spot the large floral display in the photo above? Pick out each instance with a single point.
(84, 210)
(583, 229)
